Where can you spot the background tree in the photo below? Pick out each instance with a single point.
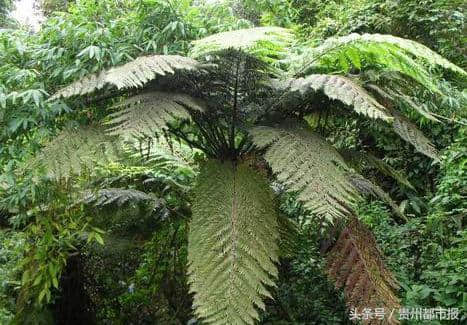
(5, 7)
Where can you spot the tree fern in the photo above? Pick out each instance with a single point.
(235, 235)
(75, 149)
(356, 264)
(342, 89)
(232, 247)
(305, 163)
(130, 75)
(148, 113)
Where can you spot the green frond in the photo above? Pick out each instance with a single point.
(402, 99)
(148, 113)
(232, 243)
(410, 133)
(356, 264)
(404, 127)
(162, 152)
(116, 196)
(339, 88)
(75, 149)
(367, 187)
(261, 42)
(133, 74)
(289, 231)
(357, 159)
(350, 93)
(416, 49)
(389, 52)
(305, 163)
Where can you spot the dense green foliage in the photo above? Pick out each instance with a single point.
(5, 7)
(94, 230)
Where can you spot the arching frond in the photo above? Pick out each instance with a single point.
(147, 113)
(339, 88)
(414, 48)
(358, 160)
(116, 196)
(392, 53)
(367, 187)
(232, 244)
(350, 93)
(356, 264)
(75, 149)
(259, 41)
(162, 152)
(402, 99)
(305, 163)
(130, 75)
(410, 133)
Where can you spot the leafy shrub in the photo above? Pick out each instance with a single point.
(12, 250)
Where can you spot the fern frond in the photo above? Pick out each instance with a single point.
(232, 244)
(357, 160)
(339, 88)
(147, 113)
(356, 264)
(402, 99)
(305, 163)
(259, 41)
(76, 149)
(387, 51)
(116, 196)
(416, 49)
(289, 231)
(161, 153)
(410, 133)
(350, 93)
(133, 74)
(405, 128)
(367, 187)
